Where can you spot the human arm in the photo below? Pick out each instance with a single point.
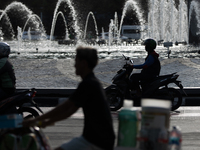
(61, 112)
(149, 61)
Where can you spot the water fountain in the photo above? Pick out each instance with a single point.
(29, 34)
(95, 24)
(24, 15)
(7, 24)
(131, 4)
(172, 27)
(194, 7)
(103, 36)
(165, 20)
(54, 23)
(41, 29)
(19, 37)
(115, 24)
(73, 13)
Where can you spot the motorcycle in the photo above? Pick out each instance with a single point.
(156, 88)
(16, 104)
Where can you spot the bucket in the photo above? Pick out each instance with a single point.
(154, 124)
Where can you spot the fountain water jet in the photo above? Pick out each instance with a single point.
(166, 26)
(110, 34)
(103, 36)
(194, 6)
(116, 25)
(134, 5)
(95, 23)
(8, 21)
(29, 34)
(169, 23)
(14, 4)
(25, 14)
(54, 23)
(184, 32)
(36, 16)
(74, 15)
(19, 38)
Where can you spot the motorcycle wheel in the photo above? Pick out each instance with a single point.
(28, 112)
(114, 98)
(171, 94)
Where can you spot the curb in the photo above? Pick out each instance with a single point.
(50, 97)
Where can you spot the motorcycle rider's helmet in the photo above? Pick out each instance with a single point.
(150, 45)
(4, 49)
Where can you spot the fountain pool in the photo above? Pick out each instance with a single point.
(161, 30)
(52, 50)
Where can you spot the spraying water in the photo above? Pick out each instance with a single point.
(134, 5)
(74, 15)
(30, 17)
(95, 24)
(54, 23)
(14, 5)
(19, 38)
(8, 23)
(194, 7)
(166, 22)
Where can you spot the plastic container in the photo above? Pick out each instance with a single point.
(175, 138)
(11, 121)
(155, 124)
(128, 125)
(163, 139)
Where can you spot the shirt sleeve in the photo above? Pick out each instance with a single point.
(149, 61)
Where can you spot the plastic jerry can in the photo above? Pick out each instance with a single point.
(128, 125)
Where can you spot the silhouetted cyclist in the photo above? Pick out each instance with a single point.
(98, 132)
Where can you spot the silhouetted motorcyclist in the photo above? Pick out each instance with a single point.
(150, 68)
(7, 74)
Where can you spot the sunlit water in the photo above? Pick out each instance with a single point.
(53, 50)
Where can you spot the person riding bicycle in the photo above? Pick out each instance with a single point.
(98, 131)
(7, 74)
(150, 68)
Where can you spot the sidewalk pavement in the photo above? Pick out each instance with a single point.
(59, 73)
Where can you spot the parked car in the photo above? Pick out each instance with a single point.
(134, 31)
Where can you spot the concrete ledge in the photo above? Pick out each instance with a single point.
(52, 92)
(125, 148)
(50, 97)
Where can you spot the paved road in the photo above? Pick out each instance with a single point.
(58, 73)
(187, 118)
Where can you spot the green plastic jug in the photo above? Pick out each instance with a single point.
(128, 125)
